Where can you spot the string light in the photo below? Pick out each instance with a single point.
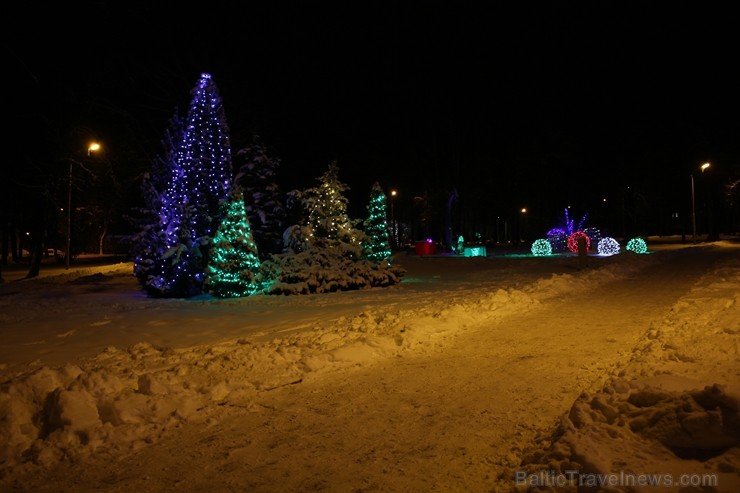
(541, 248)
(377, 246)
(636, 245)
(200, 178)
(608, 246)
(234, 266)
(573, 241)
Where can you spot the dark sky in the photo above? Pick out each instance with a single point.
(535, 104)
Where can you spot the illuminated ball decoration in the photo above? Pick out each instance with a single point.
(637, 245)
(608, 246)
(558, 239)
(573, 241)
(541, 248)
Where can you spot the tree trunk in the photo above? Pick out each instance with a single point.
(15, 245)
(5, 241)
(102, 237)
(37, 252)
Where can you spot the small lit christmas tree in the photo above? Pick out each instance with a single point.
(377, 245)
(234, 265)
(326, 222)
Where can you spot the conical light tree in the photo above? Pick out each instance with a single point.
(234, 264)
(327, 210)
(199, 181)
(376, 247)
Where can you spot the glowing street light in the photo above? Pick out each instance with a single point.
(523, 226)
(93, 147)
(693, 199)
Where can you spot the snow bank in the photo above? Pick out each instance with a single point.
(670, 419)
(632, 435)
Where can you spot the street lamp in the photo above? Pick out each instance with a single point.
(393, 219)
(693, 199)
(94, 146)
(523, 225)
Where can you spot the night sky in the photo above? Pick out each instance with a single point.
(539, 104)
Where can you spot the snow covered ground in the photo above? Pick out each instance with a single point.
(475, 374)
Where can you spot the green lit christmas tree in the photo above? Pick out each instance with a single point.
(377, 245)
(234, 265)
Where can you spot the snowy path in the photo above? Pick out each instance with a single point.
(457, 415)
(76, 315)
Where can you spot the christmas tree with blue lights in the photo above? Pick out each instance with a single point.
(376, 246)
(234, 265)
(200, 176)
(150, 240)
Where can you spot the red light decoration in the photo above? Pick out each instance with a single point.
(573, 241)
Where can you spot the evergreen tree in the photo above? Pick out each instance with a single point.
(202, 174)
(234, 264)
(326, 220)
(377, 245)
(149, 244)
(265, 209)
(199, 181)
(324, 251)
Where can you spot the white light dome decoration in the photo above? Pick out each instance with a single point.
(608, 246)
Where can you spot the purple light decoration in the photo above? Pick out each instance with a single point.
(199, 183)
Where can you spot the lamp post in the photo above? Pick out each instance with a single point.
(393, 220)
(523, 225)
(693, 200)
(94, 146)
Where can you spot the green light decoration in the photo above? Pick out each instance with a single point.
(479, 251)
(541, 248)
(636, 245)
(608, 246)
(377, 245)
(233, 269)
(460, 244)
